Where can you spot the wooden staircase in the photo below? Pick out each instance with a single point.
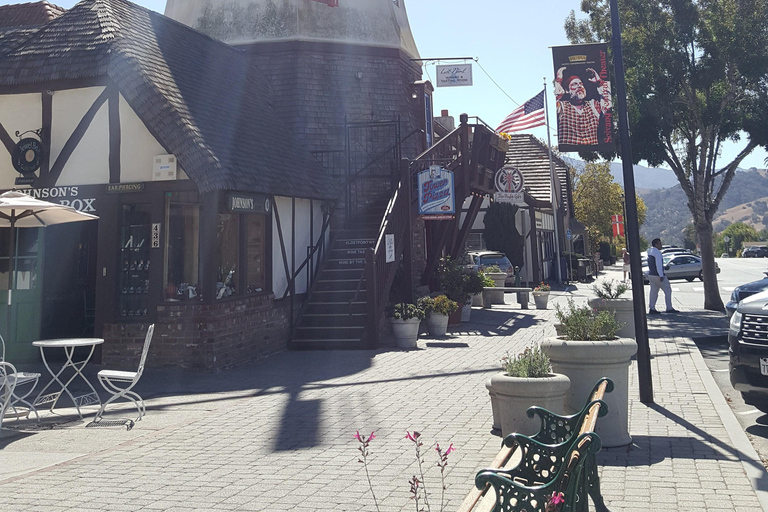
(335, 314)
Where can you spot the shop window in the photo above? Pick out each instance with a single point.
(228, 244)
(255, 252)
(135, 231)
(182, 250)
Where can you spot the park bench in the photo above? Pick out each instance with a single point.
(522, 294)
(560, 457)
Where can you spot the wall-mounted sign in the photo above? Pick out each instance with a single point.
(164, 168)
(68, 195)
(120, 188)
(27, 155)
(436, 193)
(456, 75)
(248, 203)
(389, 242)
(509, 186)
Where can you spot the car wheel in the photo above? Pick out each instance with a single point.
(701, 275)
(689, 279)
(756, 400)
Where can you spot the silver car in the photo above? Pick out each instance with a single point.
(682, 266)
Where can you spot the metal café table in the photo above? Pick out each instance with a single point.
(69, 345)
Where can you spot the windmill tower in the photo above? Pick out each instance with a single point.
(332, 64)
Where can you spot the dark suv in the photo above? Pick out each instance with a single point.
(748, 350)
(755, 251)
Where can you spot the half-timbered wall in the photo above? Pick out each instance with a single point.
(18, 112)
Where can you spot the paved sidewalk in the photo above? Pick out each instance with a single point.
(277, 434)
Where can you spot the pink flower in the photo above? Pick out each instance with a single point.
(357, 436)
(556, 498)
(409, 436)
(450, 449)
(372, 437)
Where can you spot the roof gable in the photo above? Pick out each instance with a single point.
(29, 15)
(201, 98)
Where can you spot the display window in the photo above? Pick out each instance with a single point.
(182, 244)
(135, 233)
(228, 245)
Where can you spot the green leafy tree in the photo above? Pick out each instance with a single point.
(596, 197)
(501, 233)
(696, 79)
(737, 234)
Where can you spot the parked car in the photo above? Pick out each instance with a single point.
(477, 260)
(755, 251)
(669, 250)
(681, 266)
(748, 350)
(743, 291)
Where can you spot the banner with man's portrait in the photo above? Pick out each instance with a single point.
(583, 98)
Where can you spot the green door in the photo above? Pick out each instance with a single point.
(25, 311)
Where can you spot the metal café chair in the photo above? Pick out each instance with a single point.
(21, 379)
(120, 383)
(7, 386)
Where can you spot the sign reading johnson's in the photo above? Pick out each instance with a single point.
(247, 203)
(436, 193)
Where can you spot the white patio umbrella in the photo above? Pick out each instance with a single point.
(19, 210)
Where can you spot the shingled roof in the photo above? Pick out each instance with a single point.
(201, 98)
(29, 15)
(531, 157)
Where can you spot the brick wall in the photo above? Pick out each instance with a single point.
(202, 337)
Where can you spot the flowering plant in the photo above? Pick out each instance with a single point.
(543, 287)
(531, 362)
(505, 136)
(418, 488)
(491, 269)
(441, 305)
(582, 323)
(406, 311)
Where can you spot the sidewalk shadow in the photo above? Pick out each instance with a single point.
(689, 324)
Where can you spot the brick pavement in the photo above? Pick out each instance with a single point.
(277, 434)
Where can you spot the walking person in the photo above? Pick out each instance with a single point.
(658, 279)
(625, 259)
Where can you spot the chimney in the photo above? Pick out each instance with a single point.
(445, 120)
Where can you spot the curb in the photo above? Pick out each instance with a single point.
(750, 460)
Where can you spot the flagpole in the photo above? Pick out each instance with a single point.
(553, 181)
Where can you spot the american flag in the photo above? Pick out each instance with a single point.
(529, 115)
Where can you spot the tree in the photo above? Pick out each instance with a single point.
(690, 241)
(737, 234)
(596, 197)
(500, 232)
(696, 78)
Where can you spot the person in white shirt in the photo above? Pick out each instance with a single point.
(658, 279)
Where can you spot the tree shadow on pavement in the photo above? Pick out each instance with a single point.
(688, 324)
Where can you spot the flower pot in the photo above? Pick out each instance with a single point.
(455, 317)
(466, 310)
(437, 324)
(585, 362)
(477, 299)
(406, 331)
(514, 395)
(623, 310)
(497, 296)
(540, 299)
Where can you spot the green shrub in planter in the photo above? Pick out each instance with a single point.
(441, 305)
(488, 282)
(583, 323)
(609, 289)
(531, 362)
(476, 282)
(406, 311)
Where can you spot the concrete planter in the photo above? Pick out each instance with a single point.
(466, 310)
(585, 362)
(406, 332)
(497, 296)
(540, 299)
(512, 396)
(623, 310)
(477, 299)
(437, 324)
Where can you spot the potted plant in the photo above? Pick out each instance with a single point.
(405, 319)
(526, 379)
(437, 309)
(541, 295)
(498, 277)
(454, 279)
(477, 300)
(587, 350)
(474, 289)
(608, 298)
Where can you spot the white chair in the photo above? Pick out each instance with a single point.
(21, 379)
(7, 387)
(119, 383)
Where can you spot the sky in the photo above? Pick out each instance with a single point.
(511, 42)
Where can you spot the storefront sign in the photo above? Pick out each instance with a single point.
(121, 188)
(509, 186)
(457, 75)
(248, 203)
(27, 155)
(66, 195)
(436, 192)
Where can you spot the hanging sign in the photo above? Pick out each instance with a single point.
(436, 193)
(27, 156)
(389, 241)
(509, 186)
(457, 75)
(617, 221)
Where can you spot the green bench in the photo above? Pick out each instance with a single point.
(561, 457)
